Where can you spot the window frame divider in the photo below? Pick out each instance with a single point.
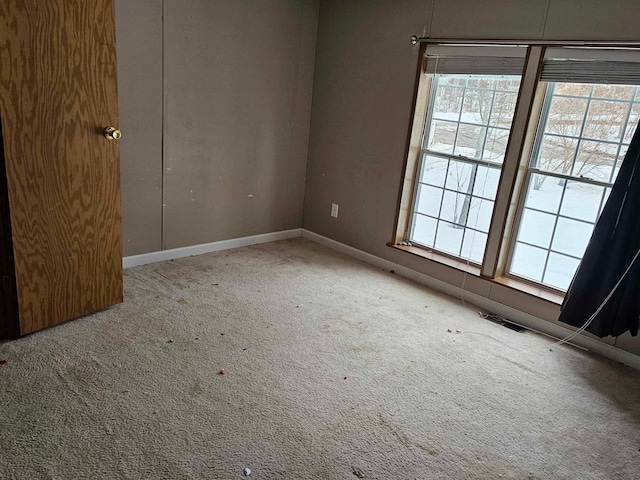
(570, 178)
(407, 188)
(508, 186)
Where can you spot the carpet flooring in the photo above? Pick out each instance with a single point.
(333, 369)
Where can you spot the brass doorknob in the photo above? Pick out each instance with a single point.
(112, 133)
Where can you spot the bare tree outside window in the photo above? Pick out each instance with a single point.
(583, 130)
(582, 138)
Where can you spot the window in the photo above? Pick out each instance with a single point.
(464, 143)
(520, 203)
(584, 132)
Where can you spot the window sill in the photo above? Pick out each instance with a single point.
(512, 283)
(440, 258)
(536, 291)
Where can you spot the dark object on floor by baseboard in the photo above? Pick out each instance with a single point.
(513, 326)
(502, 321)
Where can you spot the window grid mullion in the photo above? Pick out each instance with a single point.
(580, 138)
(575, 137)
(553, 232)
(433, 88)
(544, 115)
(455, 191)
(486, 132)
(472, 185)
(518, 219)
(414, 200)
(624, 130)
(511, 164)
(463, 122)
(448, 222)
(435, 234)
(557, 252)
(570, 178)
(604, 99)
(462, 158)
(566, 217)
(455, 139)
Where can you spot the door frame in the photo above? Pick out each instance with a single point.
(9, 321)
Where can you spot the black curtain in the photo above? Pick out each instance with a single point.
(613, 246)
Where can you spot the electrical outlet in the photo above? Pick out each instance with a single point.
(334, 210)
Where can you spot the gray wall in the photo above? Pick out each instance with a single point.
(215, 104)
(139, 50)
(363, 90)
(228, 99)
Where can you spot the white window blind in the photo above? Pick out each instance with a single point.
(583, 65)
(475, 60)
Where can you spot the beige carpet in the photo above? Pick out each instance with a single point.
(334, 369)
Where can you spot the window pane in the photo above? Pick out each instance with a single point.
(595, 160)
(496, 145)
(480, 213)
(476, 107)
(566, 115)
(503, 107)
(528, 262)
(571, 237)
(459, 176)
(448, 102)
(434, 170)
(470, 141)
(424, 230)
(473, 245)
(449, 238)
(428, 200)
(582, 201)
(486, 184)
(557, 154)
(536, 228)
(545, 193)
(442, 136)
(509, 84)
(455, 207)
(605, 120)
(560, 271)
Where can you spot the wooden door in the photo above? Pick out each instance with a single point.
(57, 95)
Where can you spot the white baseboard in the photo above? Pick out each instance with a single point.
(512, 314)
(161, 256)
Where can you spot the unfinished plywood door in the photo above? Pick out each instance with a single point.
(57, 96)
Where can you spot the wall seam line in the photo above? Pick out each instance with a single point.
(293, 115)
(431, 10)
(313, 86)
(162, 160)
(544, 21)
